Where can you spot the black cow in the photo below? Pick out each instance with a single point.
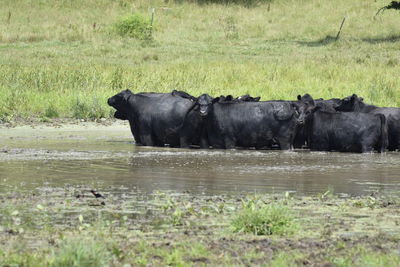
(119, 115)
(248, 98)
(230, 124)
(154, 118)
(183, 95)
(329, 105)
(355, 103)
(243, 98)
(346, 131)
(300, 140)
(192, 132)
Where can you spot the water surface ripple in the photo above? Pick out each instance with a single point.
(107, 157)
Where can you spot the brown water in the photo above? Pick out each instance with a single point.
(102, 157)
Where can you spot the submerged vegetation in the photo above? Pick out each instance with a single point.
(69, 227)
(65, 58)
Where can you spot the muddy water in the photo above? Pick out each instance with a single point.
(103, 157)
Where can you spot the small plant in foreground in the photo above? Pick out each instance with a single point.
(82, 252)
(264, 219)
(134, 26)
(51, 112)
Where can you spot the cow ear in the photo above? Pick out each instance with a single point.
(299, 97)
(256, 99)
(354, 96)
(127, 94)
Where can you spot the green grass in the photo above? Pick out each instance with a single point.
(61, 51)
(359, 256)
(264, 219)
(81, 252)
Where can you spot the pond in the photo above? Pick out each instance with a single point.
(101, 157)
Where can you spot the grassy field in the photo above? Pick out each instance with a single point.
(65, 58)
(69, 227)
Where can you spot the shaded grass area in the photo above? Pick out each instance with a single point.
(67, 226)
(65, 58)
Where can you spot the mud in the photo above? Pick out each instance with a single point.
(146, 229)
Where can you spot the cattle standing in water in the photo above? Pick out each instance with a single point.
(356, 104)
(300, 140)
(346, 131)
(193, 132)
(154, 118)
(230, 124)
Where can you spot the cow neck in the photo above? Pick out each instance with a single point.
(192, 107)
(308, 125)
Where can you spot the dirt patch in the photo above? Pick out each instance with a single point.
(179, 228)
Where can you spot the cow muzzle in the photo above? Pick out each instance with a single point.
(110, 101)
(301, 121)
(203, 113)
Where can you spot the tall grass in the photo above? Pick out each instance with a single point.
(64, 52)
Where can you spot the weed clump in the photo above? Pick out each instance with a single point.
(82, 252)
(134, 26)
(83, 110)
(271, 219)
(51, 112)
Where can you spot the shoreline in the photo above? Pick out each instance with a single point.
(61, 123)
(55, 225)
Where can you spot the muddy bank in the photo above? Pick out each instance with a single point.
(165, 206)
(167, 228)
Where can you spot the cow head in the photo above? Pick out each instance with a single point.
(120, 102)
(305, 106)
(205, 103)
(227, 98)
(350, 103)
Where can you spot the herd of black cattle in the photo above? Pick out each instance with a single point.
(178, 119)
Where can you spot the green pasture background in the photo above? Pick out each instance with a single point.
(64, 58)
